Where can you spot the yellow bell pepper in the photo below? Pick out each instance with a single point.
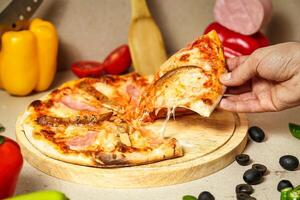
(28, 58)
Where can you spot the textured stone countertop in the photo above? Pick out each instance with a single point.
(222, 184)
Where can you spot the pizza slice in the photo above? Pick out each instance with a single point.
(189, 79)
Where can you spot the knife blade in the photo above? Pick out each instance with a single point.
(17, 14)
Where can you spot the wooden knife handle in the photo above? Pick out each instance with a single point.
(139, 9)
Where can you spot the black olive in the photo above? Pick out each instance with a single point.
(284, 184)
(252, 176)
(242, 196)
(289, 162)
(242, 159)
(206, 196)
(261, 168)
(244, 188)
(256, 134)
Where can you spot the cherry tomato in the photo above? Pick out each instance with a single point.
(87, 69)
(118, 61)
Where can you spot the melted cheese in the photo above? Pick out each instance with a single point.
(105, 89)
(62, 111)
(186, 144)
(137, 140)
(170, 111)
(72, 131)
(124, 138)
(173, 113)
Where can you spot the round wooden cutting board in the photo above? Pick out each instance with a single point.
(210, 144)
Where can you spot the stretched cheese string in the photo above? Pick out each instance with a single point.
(185, 144)
(157, 111)
(170, 111)
(173, 112)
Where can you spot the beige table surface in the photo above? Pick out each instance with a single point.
(279, 142)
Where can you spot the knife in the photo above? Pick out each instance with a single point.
(17, 14)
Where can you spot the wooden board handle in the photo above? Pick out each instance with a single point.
(139, 9)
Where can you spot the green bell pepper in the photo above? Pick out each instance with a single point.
(295, 130)
(189, 197)
(41, 195)
(290, 193)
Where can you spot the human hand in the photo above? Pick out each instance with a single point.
(266, 80)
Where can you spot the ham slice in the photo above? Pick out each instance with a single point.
(81, 142)
(243, 16)
(132, 90)
(134, 93)
(76, 104)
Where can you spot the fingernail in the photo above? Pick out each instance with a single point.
(224, 104)
(226, 77)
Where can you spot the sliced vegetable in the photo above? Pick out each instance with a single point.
(284, 193)
(118, 61)
(87, 69)
(295, 193)
(242, 196)
(189, 197)
(244, 188)
(290, 193)
(261, 168)
(242, 159)
(41, 195)
(295, 130)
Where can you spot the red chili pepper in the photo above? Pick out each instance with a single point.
(11, 162)
(236, 44)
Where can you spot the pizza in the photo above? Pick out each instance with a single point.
(83, 122)
(190, 78)
(101, 122)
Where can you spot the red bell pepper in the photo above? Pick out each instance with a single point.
(236, 44)
(11, 162)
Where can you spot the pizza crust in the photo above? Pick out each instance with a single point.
(49, 149)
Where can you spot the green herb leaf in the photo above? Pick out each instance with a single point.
(2, 128)
(1, 139)
(189, 197)
(295, 130)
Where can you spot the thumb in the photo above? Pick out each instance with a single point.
(244, 71)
